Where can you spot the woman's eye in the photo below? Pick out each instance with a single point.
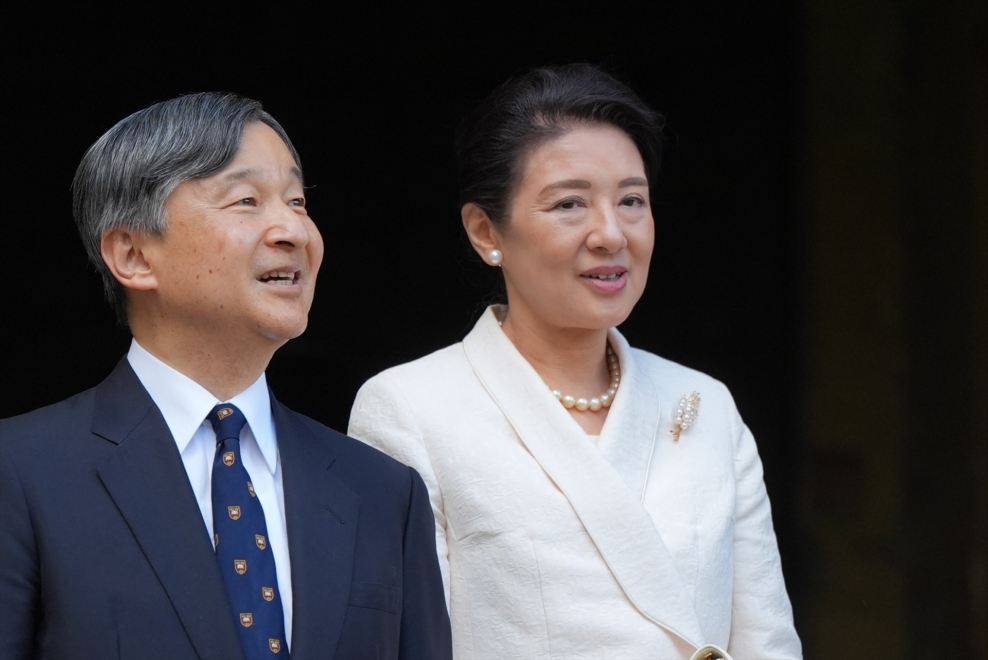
(633, 200)
(298, 201)
(246, 201)
(568, 204)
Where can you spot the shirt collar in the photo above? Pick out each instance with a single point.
(185, 403)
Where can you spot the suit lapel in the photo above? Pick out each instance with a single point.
(321, 514)
(605, 496)
(147, 481)
(629, 435)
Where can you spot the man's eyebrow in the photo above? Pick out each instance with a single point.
(240, 175)
(633, 181)
(247, 173)
(567, 183)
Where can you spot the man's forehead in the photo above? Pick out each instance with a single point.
(261, 155)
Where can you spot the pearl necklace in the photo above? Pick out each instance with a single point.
(604, 400)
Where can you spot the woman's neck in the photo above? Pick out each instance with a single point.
(573, 361)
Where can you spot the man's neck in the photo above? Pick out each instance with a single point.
(222, 367)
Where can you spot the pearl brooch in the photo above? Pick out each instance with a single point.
(605, 400)
(686, 413)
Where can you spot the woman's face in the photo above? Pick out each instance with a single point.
(579, 234)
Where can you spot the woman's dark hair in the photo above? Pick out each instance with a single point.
(544, 103)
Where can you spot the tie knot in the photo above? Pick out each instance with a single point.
(227, 421)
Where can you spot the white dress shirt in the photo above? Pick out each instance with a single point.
(184, 404)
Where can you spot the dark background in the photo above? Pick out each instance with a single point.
(820, 242)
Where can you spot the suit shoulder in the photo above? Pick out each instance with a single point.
(676, 375)
(435, 366)
(49, 422)
(355, 454)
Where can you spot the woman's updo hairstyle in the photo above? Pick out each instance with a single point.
(520, 115)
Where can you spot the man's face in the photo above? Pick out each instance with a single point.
(240, 254)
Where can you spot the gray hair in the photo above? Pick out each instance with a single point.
(125, 178)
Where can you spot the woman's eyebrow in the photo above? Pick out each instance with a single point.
(567, 183)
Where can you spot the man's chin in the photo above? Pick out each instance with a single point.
(280, 333)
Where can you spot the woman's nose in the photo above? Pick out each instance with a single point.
(606, 233)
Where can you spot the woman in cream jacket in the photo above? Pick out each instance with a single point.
(591, 500)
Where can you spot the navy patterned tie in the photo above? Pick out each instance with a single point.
(242, 547)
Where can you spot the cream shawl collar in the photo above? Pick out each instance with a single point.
(611, 510)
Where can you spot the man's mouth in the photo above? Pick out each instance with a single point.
(279, 277)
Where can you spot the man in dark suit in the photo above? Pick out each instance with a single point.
(177, 510)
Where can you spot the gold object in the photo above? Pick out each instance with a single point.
(686, 412)
(708, 652)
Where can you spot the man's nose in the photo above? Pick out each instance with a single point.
(289, 227)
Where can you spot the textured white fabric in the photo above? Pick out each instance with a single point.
(555, 546)
(184, 404)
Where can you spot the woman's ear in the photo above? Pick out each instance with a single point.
(123, 254)
(481, 231)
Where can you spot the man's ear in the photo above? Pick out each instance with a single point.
(123, 254)
(480, 230)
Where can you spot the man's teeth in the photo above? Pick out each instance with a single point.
(612, 276)
(279, 278)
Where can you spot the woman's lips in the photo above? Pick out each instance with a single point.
(607, 282)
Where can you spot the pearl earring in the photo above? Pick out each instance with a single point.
(495, 257)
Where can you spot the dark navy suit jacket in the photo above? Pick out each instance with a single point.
(103, 553)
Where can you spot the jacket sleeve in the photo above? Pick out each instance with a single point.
(761, 616)
(383, 418)
(425, 629)
(19, 577)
